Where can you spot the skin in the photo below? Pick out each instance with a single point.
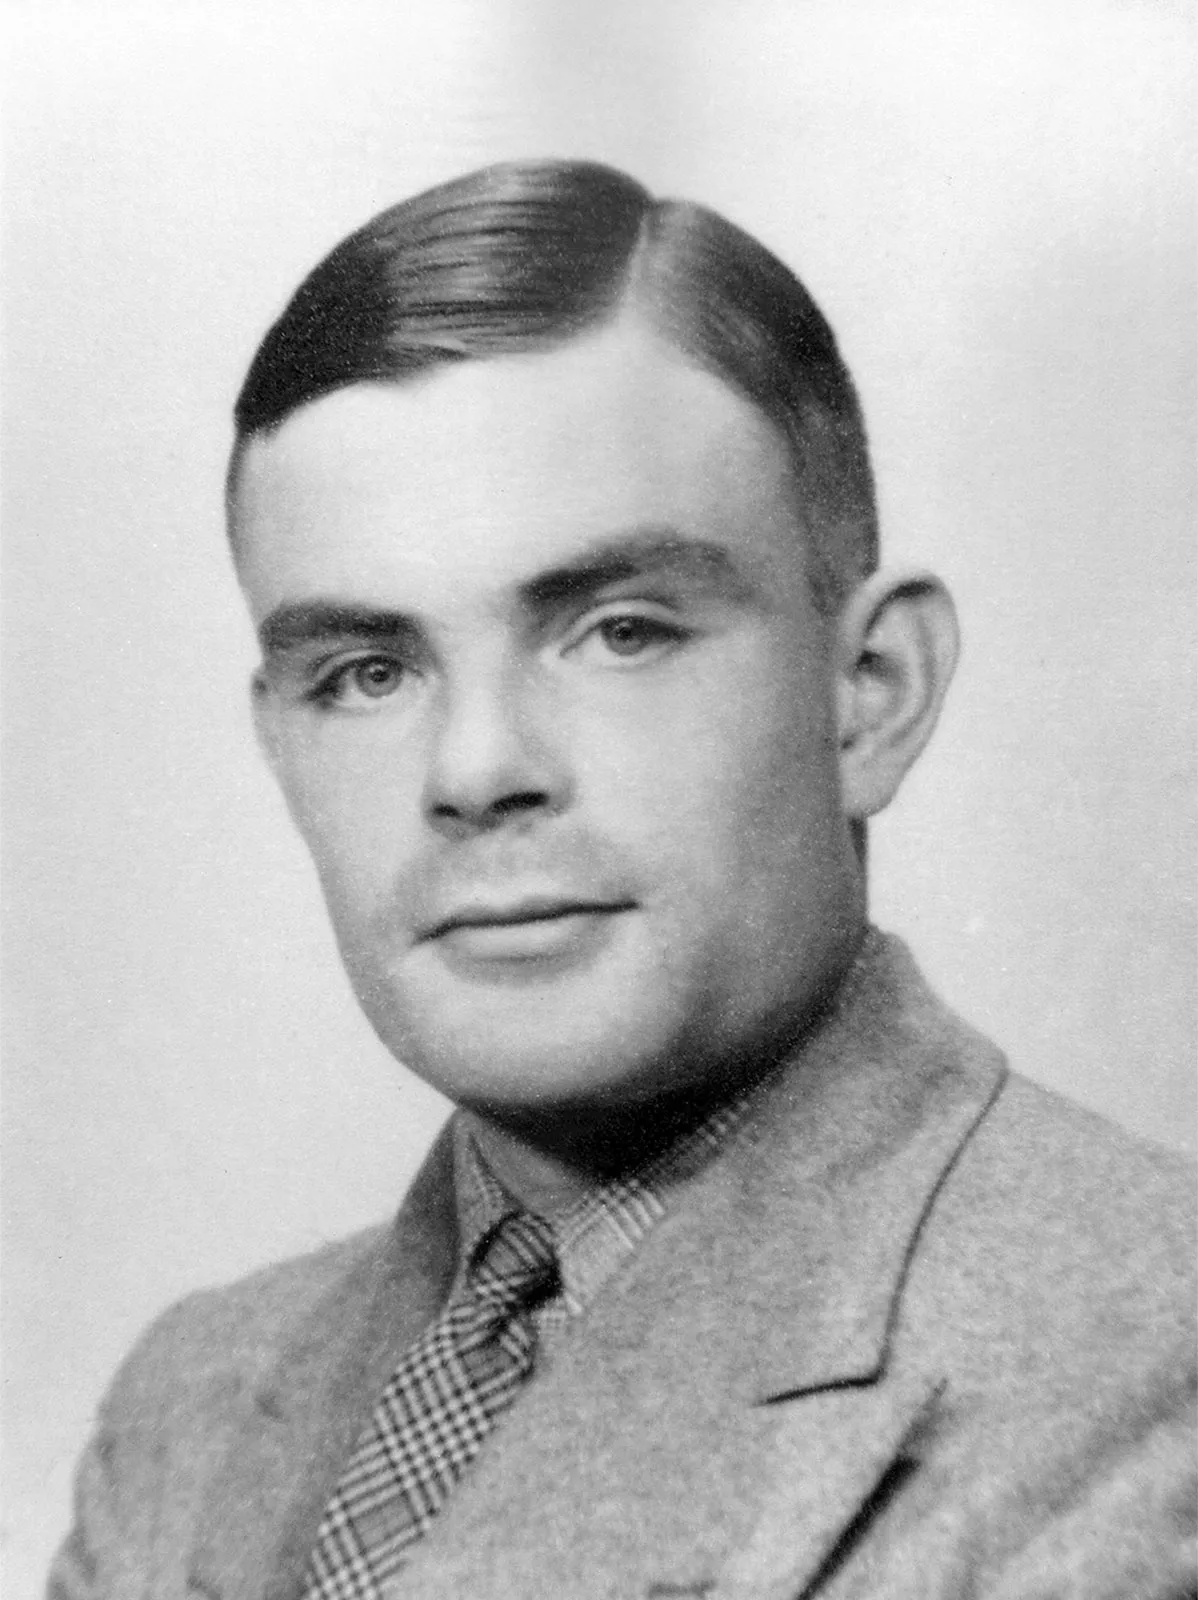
(578, 760)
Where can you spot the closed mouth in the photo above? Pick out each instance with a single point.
(526, 911)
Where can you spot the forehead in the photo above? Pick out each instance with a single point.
(485, 473)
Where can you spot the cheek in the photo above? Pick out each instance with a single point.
(355, 806)
(731, 779)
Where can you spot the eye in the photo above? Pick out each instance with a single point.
(354, 684)
(376, 677)
(627, 636)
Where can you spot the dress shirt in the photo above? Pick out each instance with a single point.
(601, 1229)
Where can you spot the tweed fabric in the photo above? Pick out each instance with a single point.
(435, 1412)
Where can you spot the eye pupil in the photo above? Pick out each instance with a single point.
(624, 634)
(376, 678)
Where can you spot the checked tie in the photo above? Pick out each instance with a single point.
(438, 1407)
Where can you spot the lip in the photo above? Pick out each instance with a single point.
(523, 912)
(529, 941)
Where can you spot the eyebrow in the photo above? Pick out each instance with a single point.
(642, 553)
(297, 623)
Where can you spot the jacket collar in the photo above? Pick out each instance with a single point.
(821, 1204)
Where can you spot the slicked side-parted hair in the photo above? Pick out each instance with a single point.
(525, 256)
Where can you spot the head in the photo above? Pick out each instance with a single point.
(552, 503)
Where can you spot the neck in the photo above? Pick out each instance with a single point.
(543, 1182)
(550, 1157)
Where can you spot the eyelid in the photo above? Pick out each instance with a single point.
(326, 675)
(651, 610)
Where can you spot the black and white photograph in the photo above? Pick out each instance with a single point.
(599, 800)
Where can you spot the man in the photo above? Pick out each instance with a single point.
(744, 1268)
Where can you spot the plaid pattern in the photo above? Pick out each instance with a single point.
(604, 1228)
(435, 1412)
(513, 1292)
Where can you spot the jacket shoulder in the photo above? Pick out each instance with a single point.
(218, 1334)
(218, 1340)
(1057, 1232)
(172, 1406)
(1080, 1184)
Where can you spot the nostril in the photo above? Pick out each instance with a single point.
(464, 819)
(523, 800)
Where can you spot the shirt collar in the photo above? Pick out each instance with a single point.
(606, 1225)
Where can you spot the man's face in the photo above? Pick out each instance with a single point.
(549, 699)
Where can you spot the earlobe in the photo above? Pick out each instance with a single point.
(897, 647)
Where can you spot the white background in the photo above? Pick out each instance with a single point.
(992, 203)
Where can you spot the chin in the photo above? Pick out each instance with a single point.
(530, 1052)
(527, 1069)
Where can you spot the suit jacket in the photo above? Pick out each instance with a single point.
(922, 1331)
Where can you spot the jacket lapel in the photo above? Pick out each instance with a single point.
(834, 1452)
(722, 1414)
(299, 1417)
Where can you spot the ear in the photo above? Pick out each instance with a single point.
(897, 646)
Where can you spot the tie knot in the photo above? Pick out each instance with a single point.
(515, 1266)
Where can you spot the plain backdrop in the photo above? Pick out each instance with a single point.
(993, 205)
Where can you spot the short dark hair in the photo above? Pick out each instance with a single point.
(526, 255)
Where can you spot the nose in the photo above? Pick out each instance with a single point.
(494, 762)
